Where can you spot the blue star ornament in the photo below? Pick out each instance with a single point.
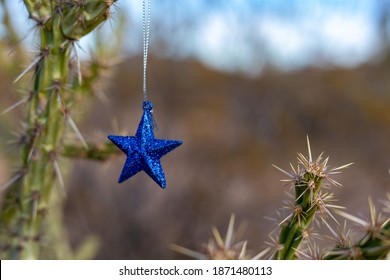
(143, 150)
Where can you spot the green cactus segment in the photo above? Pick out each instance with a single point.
(78, 17)
(59, 22)
(305, 208)
(100, 152)
(81, 19)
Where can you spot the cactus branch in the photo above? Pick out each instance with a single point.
(59, 23)
(375, 243)
(308, 180)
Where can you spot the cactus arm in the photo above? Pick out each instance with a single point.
(59, 23)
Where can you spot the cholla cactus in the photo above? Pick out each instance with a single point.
(311, 183)
(313, 200)
(60, 23)
(375, 244)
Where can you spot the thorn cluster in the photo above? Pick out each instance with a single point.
(221, 249)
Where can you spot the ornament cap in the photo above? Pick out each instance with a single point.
(147, 105)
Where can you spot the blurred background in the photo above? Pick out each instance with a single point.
(241, 82)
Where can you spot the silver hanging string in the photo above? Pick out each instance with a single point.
(146, 27)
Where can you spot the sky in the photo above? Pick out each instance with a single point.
(248, 35)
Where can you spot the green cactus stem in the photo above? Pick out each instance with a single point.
(291, 234)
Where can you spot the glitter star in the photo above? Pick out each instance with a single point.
(143, 150)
